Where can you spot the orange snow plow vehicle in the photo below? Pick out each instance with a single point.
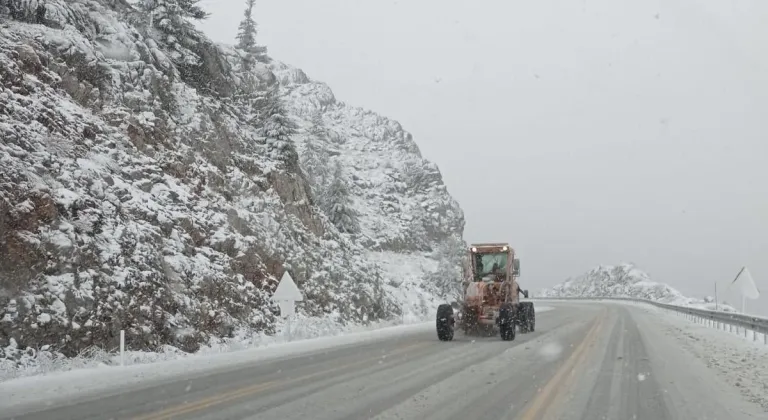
(491, 302)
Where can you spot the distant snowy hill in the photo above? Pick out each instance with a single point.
(156, 182)
(626, 280)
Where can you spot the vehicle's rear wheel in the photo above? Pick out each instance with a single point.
(444, 322)
(525, 316)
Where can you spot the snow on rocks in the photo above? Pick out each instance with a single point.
(625, 280)
(139, 198)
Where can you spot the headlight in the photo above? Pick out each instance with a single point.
(504, 248)
(474, 249)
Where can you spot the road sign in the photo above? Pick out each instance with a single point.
(286, 295)
(746, 287)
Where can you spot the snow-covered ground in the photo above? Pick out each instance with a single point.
(300, 328)
(404, 276)
(740, 361)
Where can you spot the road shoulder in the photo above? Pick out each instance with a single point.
(692, 389)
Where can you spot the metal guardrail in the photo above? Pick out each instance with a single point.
(703, 316)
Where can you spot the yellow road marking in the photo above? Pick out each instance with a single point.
(548, 392)
(568, 381)
(206, 402)
(190, 407)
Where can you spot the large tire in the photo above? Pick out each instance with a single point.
(507, 322)
(532, 325)
(444, 322)
(527, 317)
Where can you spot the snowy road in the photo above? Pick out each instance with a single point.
(585, 361)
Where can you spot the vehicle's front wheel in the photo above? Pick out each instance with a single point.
(507, 322)
(444, 322)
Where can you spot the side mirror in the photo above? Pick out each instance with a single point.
(525, 293)
(516, 267)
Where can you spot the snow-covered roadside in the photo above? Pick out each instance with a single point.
(301, 328)
(62, 386)
(404, 274)
(740, 362)
(54, 376)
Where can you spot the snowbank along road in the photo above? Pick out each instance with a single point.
(585, 361)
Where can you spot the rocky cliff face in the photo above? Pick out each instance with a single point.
(140, 194)
(403, 203)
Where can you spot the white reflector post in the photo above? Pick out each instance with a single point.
(122, 347)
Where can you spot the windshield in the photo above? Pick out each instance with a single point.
(486, 264)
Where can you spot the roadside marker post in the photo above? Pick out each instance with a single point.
(286, 295)
(122, 347)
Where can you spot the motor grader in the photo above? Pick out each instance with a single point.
(490, 303)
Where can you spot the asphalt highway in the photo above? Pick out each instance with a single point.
(584, 361)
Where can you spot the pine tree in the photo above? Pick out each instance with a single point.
(172, 18)
(25, 11)
(246, 39)
(275, 125)
(447, 279)
(338, 204)
(318, 127)
(314, 164)
(315, 156)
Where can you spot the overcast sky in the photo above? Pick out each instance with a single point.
(584, 132)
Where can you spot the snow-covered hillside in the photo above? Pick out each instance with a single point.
(155, 182)
(626, 280)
